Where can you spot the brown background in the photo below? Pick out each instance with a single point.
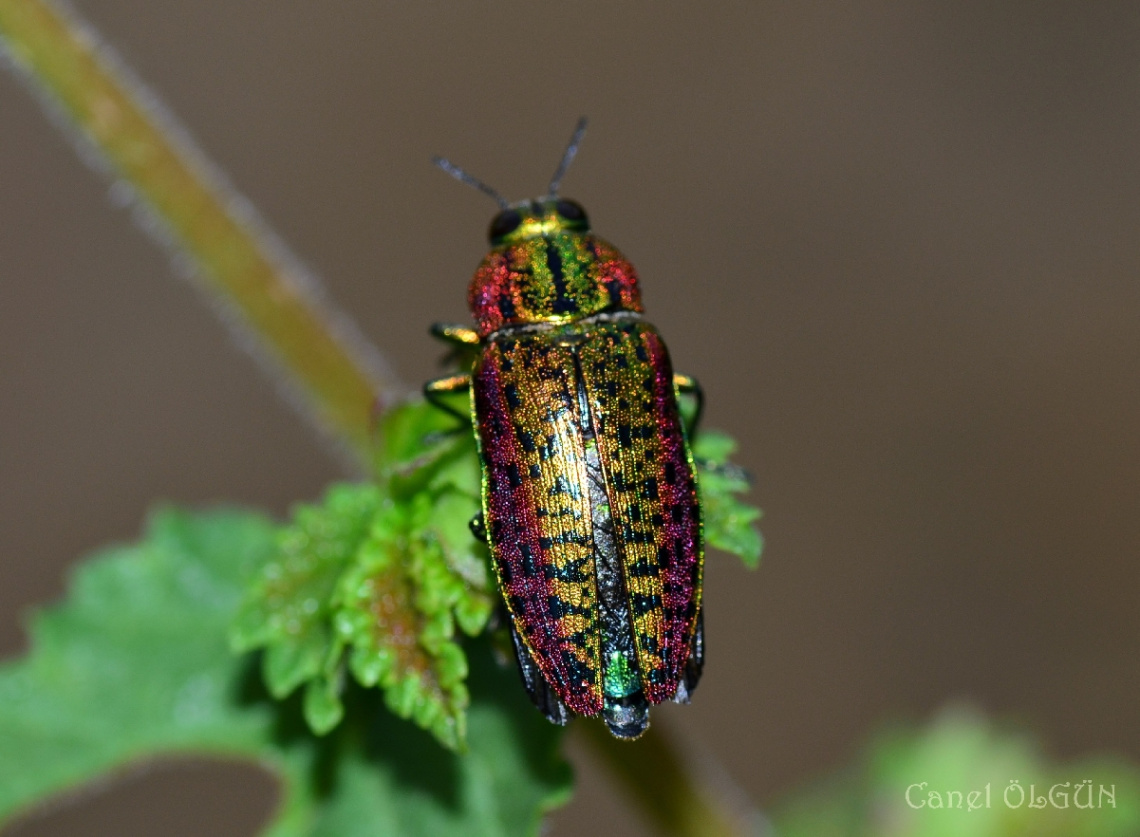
(896, 241)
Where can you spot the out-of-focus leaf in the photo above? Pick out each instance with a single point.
(960, 774)
(729, 523)
(135, 665)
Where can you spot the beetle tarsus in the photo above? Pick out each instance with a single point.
(435, 390)
(691, 386)
(478, 527)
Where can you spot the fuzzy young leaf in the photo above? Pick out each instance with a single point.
(289, 609)
(134, 665)
(375, 581)
(394, 610)
(728, 523)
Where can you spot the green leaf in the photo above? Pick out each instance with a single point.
(728, 523)
(136, 662)
(395, 613)
(376, 580)
(289, 611)
(964, 760)
(135, 665)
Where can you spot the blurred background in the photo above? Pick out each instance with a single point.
(897, 242)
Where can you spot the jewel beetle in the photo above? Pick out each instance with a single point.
(589, 490)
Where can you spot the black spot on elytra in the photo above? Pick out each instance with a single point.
(566, 537)
(526, 439)
(549, 449)
(642, 568)
(559, 608)
(642, 604)
(529, 567)
(570, 571)
(650, 492)
(579, 675)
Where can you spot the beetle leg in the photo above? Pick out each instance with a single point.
(544, 697)
(689, 385)
(456, 334)
(478, 527)
(433, 390)
(463, 341)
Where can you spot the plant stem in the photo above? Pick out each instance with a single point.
(317, 350)
(267, 294)
(665, 786)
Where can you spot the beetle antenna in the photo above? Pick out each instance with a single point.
(463, 177)
(568, 157)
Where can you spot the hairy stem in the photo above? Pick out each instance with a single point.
(266, 294)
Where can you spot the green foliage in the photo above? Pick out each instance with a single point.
(376, 580)
(961, 753)
(134, 665)
(729, 523)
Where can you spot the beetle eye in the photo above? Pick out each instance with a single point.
(570, 210)
(505, 223)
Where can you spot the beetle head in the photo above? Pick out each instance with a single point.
(542, 217)
(545, 265)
